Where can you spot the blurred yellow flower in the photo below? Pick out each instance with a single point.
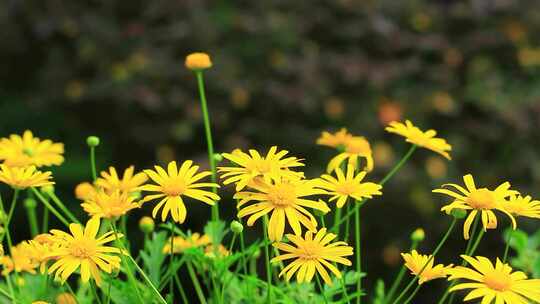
(249, 167)
(416, 262)
(286, 199)
(84, 191)
(17, 151)
(356, 147)
(497, 283)
(109, 205)
(313, 253)
(173, 185)
(347, 185)
(20, 260)
(65, 298)
(518, 205)
(129, 182)
(340, 138)
(198, 61)
(180, 244)
(479, 200)
(83, 250)
(24, 177)
(417, 137)
(211, 251)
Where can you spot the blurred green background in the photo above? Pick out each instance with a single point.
(283, 72)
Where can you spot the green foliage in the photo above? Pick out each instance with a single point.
(379, 293)
(153, 256)
(527, 248)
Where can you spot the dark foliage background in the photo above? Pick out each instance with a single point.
(284, 71)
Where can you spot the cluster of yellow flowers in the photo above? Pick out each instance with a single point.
(267, 185)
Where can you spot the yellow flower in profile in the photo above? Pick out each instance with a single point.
(344, 186)
(286, 199)
(479, 200)
(173, 185)
(129, 182)
(181, 244)
(251, 166)
(495, 284)
(198, 61)
(420, 138)
(83, 250)
(313, 254)
(84, 191)
(336, 140)
(357, 147)
(518, 205)
(38, 250)
(111, 205)
(24, 177)
(416, 262)
(17, 151)
(20, 260)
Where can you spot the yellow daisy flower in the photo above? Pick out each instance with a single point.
(518, 205)
(39, 251)
(24, 177)
(173, 185)
(349, 185)
(313, 254)
(129, 182)
(17, 151)
(338, 139)
(286, 200)
(420, 138)
(479, 200)
(251, 166)
(82, 250)
(356, 147)
(20, 260)
(495, 284)
(181, 244)
(111, 205)
(416, 262)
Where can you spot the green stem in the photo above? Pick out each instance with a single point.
(6, 294)
(270, 299)
(347, 223)
(322, 221)
(9, 215)
(508, 241)
(131, 277)
(45, 221)
(181, 289)
(32, 220)
(109, 293)
(399, 277)
(413, 294)
(93, 163)
(10, 287)
(51, 208)
(92, 287)
(147, 280)
(196, 283)
(171, 259)
(243, 248)
(208, 133)
(437, 249)
(385, 179)
(337, 219)
(63, 207)
(321, 288)
(344, 289)
(358, 253)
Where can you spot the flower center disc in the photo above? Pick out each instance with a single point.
(82, 249)
(481, 199)
(357, 146)
(282, 195)
(346, 188)
(498, 281)
(174, 188)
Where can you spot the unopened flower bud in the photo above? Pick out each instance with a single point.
(2, 231)
(237, 227)
(30, 203)
(83, 191)
(115, 271)
(146, 224)
(3, 217)
(20, 281)
(47, 189)
(459, 213)
(65, 298)
(1, 250)
(198, 61)
(135, 195)
(257, 253)
(218, 157)
(92, 141)
(418, 235)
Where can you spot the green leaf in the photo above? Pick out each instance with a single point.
(518, 239)
(380, 293)
(216, 231)
(153, 256)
